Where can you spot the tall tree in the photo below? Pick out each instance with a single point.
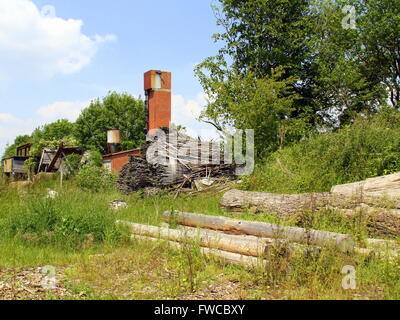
(380, 34)
(54, 131)
(336, 72)
(11, 150)
(115, 111)
(260, 36)
(345, 86)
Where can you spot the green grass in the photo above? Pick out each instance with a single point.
(368, 148)
(34, 234)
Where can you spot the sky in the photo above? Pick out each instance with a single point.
(57, 55)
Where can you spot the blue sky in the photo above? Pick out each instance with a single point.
(57, 55)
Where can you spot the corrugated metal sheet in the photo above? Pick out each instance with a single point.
(18, 166)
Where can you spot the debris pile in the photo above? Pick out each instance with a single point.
(184, 162)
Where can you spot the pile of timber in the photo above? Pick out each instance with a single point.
(183, 165)
(376, 201)
(250, 244)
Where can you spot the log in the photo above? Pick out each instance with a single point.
(380, 221)
(290, 204)
(244, 245)
(285, 205)
(262, 229)
(388, 186)
(224, 256)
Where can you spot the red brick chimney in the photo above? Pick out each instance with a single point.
(157, 86)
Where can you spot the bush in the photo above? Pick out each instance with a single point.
(73, 163)
(95, 158)
(52, 222)
(95, 179)
(369, 147)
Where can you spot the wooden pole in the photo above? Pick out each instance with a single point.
(262, 229)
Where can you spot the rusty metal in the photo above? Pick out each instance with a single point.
(113, 137)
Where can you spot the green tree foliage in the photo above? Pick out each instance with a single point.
(332, 74)
(349, 80)
(260, 37)
(54, 131)
(51, 135)
(380, 34)
(115, 111)
(11, 150)
(263, 104)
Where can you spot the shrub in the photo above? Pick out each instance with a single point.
(95, 158)
(52, 222)
(369, 147)
(73, 163)
(95, 179)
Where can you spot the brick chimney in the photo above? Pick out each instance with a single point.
(157, 86)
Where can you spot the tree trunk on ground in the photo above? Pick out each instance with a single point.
(227, 257)
(261, 229)
(379, 221)
(245, 245)
(388, 186)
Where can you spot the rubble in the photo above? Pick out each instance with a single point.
(118, 204)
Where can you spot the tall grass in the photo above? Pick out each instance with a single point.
(71, 221)
(369, 147)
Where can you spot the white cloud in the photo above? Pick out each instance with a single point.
(187, 110)
(37, 44)
(62, 110)
(11, 126)
(186, 113)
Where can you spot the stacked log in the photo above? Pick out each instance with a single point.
(252, 244)
(343, 242)
(379, 220)
(185, 161)
(224, 256)
(244, 245)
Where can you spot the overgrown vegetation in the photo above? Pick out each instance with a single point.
(324, 103)
(95, 179)
(369, 147)
(330, 71)
(76, 232)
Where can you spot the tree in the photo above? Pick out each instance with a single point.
(336, 72)
(11, 150)
(264, 105)
(380, 34)
(345, 88)
(259, 37)
(115, 111)
(54, 131)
